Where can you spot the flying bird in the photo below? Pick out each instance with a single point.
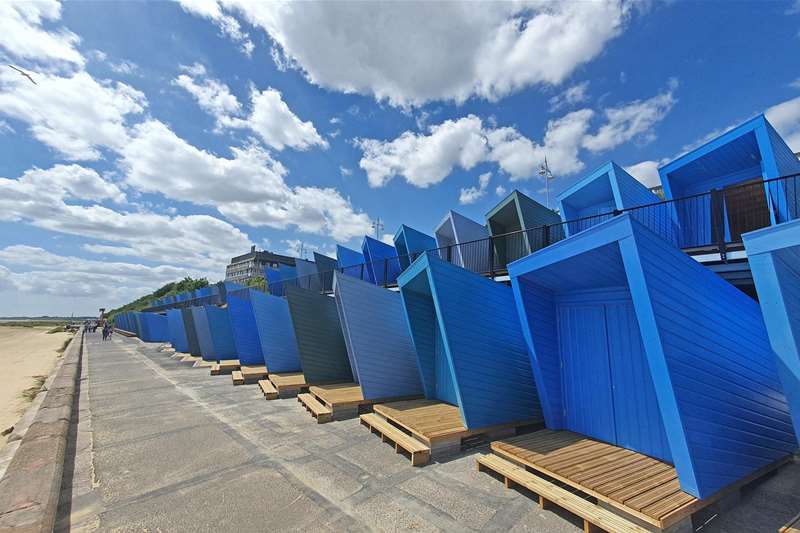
(23, 73)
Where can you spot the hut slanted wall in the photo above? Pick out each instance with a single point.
(320, 344)
(635, 343)
(177, 332)
(307, 275)
(325, 268)
(774, 255)
(243, 328)
(456, 238)
(191, 332)
(153, 327)
(204, 341)
(275, 332)
(519, 213)
(351, 262)
(469, 343)
(214, 333)
(409, 243)
(378, 342)
(382, 263)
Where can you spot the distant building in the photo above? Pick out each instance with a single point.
(252, 264)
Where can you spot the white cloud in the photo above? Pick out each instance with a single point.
(425, 159)
(631, 120)
(785, 117)
(646, 172)
(249, 188)
(796, 83)
(227, 24)
(387, 238)
(23, 37)
(573, 95)
(5, 127)
(345, 171)
(75, 115)
(470, 195)
(55, 199)
(124, 67)
(458, 49)
(270, 117)
(500, 190)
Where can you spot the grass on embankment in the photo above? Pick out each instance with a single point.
(32, 392)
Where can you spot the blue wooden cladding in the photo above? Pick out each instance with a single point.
(609, 188)
(350, 262)
(214, 333)
(469, 343)
(410, 242)
(774, 255)
(517, 212)
(243, 327)
(153, 327)
(307, 275)
(177, 332)
(275, 332)
(452, 237)
(381, 261)
(378, 342)
(320, 344)
(634, 342)
(191, 332)
(750, 153)
(325, 267)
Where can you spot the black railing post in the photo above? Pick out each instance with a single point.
(385, 272)
(491, 256)
(450, 253)
(718, 221)
(361, 272)
(546, 236)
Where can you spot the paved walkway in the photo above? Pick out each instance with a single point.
(162, 446)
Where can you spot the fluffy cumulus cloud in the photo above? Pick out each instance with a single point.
(457, 50)
(74, 200)
(247, 188)
(270, 117)
(424, 159)
(75, 115)
(23, 37)
(785, 117)
(228, 25)
(571, 96)
(646, 172)
(470, 195)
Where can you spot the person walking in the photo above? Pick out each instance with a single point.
(105, 332)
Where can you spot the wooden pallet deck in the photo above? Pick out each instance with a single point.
(253, 373)
(793, 526)
(237, 377)
(435, 424)
(289, 384)
(225, 366)
(345, 400)
(269, 390)
(633, 483)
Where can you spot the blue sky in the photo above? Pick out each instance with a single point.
(162, 138)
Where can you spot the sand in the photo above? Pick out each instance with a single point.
(24, 353)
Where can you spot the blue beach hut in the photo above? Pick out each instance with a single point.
(191, 332)
(604, 193)
(214, 333)
(154, 327)
(519, 213)
(730, 176)
(325, 268)
(243, 328)
(469, 344)
(378, 342)
(320, 344)
(275, 332)
(350, 262)
(307, 275)
(461, 241)
(381, 261)
(634, 343)
(177, 332)
(409, 243)
(774, 255)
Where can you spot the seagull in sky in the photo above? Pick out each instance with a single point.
(23, 73)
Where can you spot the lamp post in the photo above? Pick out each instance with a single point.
(544, 172)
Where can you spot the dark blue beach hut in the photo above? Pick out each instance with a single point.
(609, 189)
(243, 328)
(153, 327)
(191, 332)
(177, 332)
(307, 275)
(462, 242)
(634, 343)
(519, 213)
(325, 268)
(378, 342)
(469, 344)
(381, 261)
(731, 177)
(409, 243)
(350, 262)
(275, 332)
(774, 255)
(320, 344)
(214, 333)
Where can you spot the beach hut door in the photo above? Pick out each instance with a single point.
(746, 207)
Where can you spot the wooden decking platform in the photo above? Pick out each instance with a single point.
(344, 400)
(225, 366)
(253, 373)
(793, 526)
(289, 384)
(632, 483)
(269, 390)
(437, 425)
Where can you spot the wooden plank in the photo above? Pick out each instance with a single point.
(322, 413)
(237, 377)
(420, 453)
(253, 372)
(793, 526)
(592, 513)
(269, 390)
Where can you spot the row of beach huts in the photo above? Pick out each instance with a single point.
(632, 358)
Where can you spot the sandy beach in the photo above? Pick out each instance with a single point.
(24, 353)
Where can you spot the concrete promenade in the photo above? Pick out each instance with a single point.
(162, 446)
